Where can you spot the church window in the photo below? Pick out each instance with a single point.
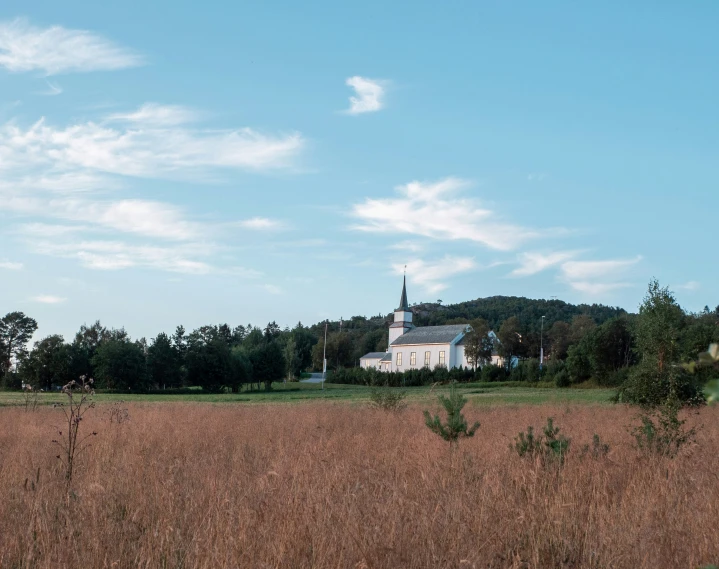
(413, 358)
(399, 358)
(426, 358)
(441, 358)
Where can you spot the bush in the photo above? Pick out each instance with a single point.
(597, 450)
(388, 398)
(550, 447)
(648, 387)
(562, 379)
(662, 432)
(491, 372)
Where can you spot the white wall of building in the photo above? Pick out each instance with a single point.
(420, 349)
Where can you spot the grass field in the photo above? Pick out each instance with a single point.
(477, 393)
(328, 485)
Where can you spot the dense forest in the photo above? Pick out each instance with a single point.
(581, 343)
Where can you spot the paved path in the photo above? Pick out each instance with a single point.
(314, 378)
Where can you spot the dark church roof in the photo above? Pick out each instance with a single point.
(403, 304)
(374, 356)
(431, 335)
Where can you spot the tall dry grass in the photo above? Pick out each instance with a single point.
(321, 485)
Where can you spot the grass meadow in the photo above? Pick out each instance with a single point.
(322, 484)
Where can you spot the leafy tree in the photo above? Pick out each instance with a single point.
(478, 345)
(612, 348)
(292, 360)
(268, 363)
(559, 336)
(510, 339)
(582, 325)
(241, 369)
(120, 364)
(47, 364)
(658, 378)
(16, 329)
(210, 364)
(163, 362)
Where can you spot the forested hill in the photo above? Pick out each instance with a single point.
(361, 334)
(496, 309)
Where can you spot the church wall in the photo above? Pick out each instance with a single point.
(434, 350)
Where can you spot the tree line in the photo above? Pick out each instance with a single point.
(581, 342)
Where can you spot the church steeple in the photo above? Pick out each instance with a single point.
(403, 305)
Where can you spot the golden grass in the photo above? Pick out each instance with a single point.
(322, 485)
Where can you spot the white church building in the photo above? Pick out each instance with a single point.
(414, 348)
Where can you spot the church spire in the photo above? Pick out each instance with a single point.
(403, 305)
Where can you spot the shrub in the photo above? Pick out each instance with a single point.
(388, 398)
(597, 450)
(549, 447)
(456, 425)
(491, 372)
(562, 379)
(662, 432)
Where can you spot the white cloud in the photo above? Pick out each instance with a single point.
(56, 50)
(531, 263)
(431, 210)
(370, 94)
(149, 149)
(407, 246)
(143, 217)
(586, 270)
(48, 299)
(157, 115)
(689, 286)
(432, 275)
(597, 278)
(262, 223)
(52, 89)
(11, 266)
(114, 255)
(273, 289)
(596, 289)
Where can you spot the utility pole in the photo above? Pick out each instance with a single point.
(324, 358)
(541, 346)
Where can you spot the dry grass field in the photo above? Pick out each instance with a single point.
(328, 485)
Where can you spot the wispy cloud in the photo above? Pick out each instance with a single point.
(153, 114)
(689, 286)
(585, 270)
(52, 89)
(531, 263)
(261, 223)
(433, 210)
(147, 147)
(273, 289)
(407, 246)
(48, 299)
(432, 275)
(57, 50)
(369, 95)
(597, 278)
(11, 266)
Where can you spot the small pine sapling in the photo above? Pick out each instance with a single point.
(456, 425)
(597, 450)
(550, 446)
(662, 432)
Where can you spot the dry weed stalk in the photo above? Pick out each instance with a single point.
(79, 402)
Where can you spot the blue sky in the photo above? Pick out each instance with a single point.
(172, 163)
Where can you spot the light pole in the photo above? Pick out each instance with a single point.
(541, 345)
(324, 358)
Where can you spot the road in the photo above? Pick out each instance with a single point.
(314, 378)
